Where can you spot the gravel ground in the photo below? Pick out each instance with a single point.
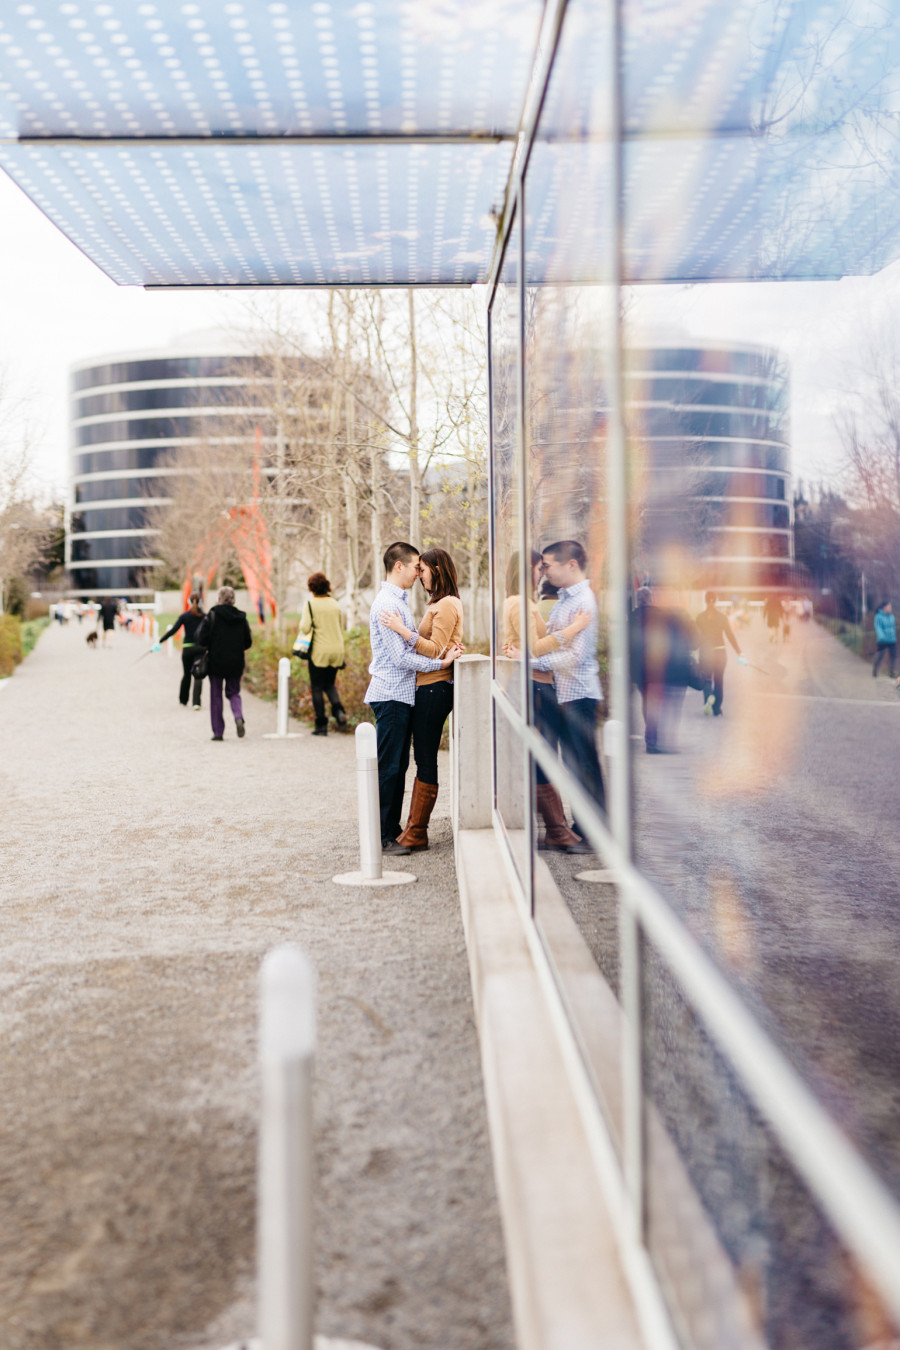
(145, 871)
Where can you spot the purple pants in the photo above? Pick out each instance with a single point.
(232, 693)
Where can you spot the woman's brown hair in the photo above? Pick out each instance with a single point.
(443, 573)
(512, 571)
(319, 584)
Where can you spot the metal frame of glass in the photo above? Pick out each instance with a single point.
(863, 1212)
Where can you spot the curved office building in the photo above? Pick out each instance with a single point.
(130, 412)
(710, 427)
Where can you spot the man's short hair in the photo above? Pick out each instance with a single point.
(567, 550)
(398, 552)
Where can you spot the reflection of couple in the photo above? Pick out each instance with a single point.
(564, 676)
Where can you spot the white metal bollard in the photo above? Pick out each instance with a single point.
(285, 1220)
(367, 801)
(284, 680)
(284, 685)
(370, 872)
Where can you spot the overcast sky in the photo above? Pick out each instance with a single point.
(58, 308)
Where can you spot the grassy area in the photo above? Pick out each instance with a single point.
(31, 631)
(852, 635)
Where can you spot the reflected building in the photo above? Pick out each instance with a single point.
(130, 415)
(709, 428)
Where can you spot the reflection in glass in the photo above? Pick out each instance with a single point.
(508, 608)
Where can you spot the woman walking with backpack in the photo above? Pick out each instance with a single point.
(322, 620)
(440, 630)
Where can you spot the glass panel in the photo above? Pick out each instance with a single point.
(569, 335)
(762, 427)
(173, 68)
(747, 1258)
(115, 489)
(274, 215)
(505, 355)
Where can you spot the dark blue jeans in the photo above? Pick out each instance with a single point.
(434, 704)
(546, 719)
(578, 741)
(393, 728)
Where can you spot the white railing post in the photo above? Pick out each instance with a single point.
(370, 872)
(368, 801)
(284, 679)
(284, 688)
(285, 1219)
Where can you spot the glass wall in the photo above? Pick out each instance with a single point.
(695, 513)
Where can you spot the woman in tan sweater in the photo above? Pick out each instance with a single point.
(558, 837)
(439, 632)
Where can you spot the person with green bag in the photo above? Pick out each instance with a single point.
(322, 622)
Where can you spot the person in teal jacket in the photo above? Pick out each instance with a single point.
(885, 637)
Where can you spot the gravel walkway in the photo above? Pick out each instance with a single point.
(144, 872)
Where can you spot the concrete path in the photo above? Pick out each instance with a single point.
(144, 872)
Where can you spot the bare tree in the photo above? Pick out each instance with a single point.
(24, 526)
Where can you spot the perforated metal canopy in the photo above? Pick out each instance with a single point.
(253, 143)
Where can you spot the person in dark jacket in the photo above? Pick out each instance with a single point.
(190, 621)
(106, 618)
(226, 635)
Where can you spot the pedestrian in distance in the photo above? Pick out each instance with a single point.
(106, 619)
(392, 687)
(715, 631)
(322, 618)
(440, 631)
(773, 613)
(190, 621)
(885, 637)
(558, 837)
(225, 633)
(576, 671)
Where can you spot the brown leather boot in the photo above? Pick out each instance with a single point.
(424, 796)
(559, 838)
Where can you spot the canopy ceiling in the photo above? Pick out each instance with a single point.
(342, 142)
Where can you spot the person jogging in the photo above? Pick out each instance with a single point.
(715, 631)
(392, 688)
(190, 621)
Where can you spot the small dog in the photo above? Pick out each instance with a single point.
(91, 639)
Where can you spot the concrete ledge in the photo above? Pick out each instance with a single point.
(567, 1284)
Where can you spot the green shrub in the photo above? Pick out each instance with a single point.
(261, 676)
(31, 631)
(11, 652)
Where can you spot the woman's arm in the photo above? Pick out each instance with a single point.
(306, 618)
(446, 614)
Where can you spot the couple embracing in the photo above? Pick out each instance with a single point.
(411, 685)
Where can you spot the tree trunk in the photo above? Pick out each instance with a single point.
(415, 471)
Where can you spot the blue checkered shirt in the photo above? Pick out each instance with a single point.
(394, 662)
(576, 672)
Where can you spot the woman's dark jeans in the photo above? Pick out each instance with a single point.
(891, 648)
(322, 684)
(434, 703)
(188, 656)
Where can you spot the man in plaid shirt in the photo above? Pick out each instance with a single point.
(575, 667)
(392, 689)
